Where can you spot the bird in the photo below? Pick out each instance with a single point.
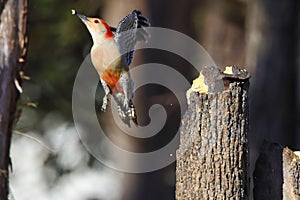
(112, 53)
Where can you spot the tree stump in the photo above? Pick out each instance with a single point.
(268, 176)
(291, 174)
(277, 173)
(212, 158)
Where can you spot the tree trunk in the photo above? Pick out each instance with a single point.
(268, 173)
(291, 174)
(273, 49)
(212, 159)
(277, 174)
(13, 42)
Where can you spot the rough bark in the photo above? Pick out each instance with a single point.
(291, 175)
(277, 174)
(13, 42)
(212, 159)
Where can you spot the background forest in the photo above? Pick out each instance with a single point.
(261, 36)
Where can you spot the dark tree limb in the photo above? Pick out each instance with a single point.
(268, 177)
(13, 42)
(212, 160)
(277, 173)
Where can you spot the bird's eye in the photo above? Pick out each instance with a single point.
(96, 21)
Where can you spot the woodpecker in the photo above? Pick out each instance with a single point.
(112, 53)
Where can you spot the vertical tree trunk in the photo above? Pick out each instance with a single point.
(273, 37)
(13, 42)
(291, 174)
(273, 50)
(212, 159)
(268, 176)
(277, 174)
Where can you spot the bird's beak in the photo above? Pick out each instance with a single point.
(81, 16)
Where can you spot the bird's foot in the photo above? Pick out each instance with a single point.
(123, 115)
(104, 104)
(132, 114)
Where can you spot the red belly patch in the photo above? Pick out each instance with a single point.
(111, 78)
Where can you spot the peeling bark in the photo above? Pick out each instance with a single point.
(13, 42)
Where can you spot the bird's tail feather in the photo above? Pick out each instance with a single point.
(126, 111)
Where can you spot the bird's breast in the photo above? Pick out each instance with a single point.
(108, 62)
(105, 55)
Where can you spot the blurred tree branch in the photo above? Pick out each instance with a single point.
(13, 42)
(273, 49)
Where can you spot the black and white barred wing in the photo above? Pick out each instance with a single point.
(129, 31)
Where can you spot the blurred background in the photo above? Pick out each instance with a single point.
(261, 36)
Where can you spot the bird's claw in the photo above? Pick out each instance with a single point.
(104, 104)
(132, 114)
